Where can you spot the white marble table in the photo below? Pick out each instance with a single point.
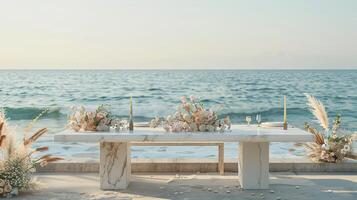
(115, 167)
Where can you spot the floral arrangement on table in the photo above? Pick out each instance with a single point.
(18, 162)
(192, 116)
(98, 120)
(331, 145)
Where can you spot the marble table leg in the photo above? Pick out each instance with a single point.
(115, 166)
(253, 165)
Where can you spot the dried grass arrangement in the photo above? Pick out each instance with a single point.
(192, 116)
(330, 145)
(18, 162)
(98, 120)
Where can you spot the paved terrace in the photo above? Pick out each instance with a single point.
(286, 185)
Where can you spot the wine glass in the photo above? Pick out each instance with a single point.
(259, 119)
(248, 119)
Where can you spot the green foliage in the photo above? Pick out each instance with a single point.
(336, 124)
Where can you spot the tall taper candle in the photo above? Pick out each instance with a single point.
(131, 123)
(285, 117)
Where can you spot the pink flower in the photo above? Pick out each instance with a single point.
(192, 98)
(183, 99)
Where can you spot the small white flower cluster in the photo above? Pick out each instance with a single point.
(118, 125)
(346, 149)
(15, 175)
(335, 148)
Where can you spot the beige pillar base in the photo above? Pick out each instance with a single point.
(115, 166)
(253, 165)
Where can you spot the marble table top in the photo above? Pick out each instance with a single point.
(238, 133)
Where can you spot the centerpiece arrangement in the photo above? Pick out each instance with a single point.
(192, 116)
(18, 162)
(99, 120)
(330, 145)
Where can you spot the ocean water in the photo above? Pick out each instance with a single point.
(24, 94)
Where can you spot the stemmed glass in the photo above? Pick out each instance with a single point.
(248, 119)
(259, 119)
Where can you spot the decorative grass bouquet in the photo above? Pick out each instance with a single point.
(18, 162)
(98, 120)
(192, 116)
(330, 145)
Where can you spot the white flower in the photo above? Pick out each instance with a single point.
(183, 99)
(193, 127)
(325, 146)
(334, 136)
(202, 127)
(347, 148)
(192, 98)
(210, 128)
(177, 114)
(187, 118)
(169, 118)
(103, 127)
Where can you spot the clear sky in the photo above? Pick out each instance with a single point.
(168, 34)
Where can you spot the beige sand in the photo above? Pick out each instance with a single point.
(198, 186)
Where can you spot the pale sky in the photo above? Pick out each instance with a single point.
(168, 34)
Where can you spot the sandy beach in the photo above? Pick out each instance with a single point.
(197, 186)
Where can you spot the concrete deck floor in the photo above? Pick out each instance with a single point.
(197, 186)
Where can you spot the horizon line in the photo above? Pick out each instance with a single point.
(172, 69)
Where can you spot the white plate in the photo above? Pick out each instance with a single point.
(141, 124)
(273, 124)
